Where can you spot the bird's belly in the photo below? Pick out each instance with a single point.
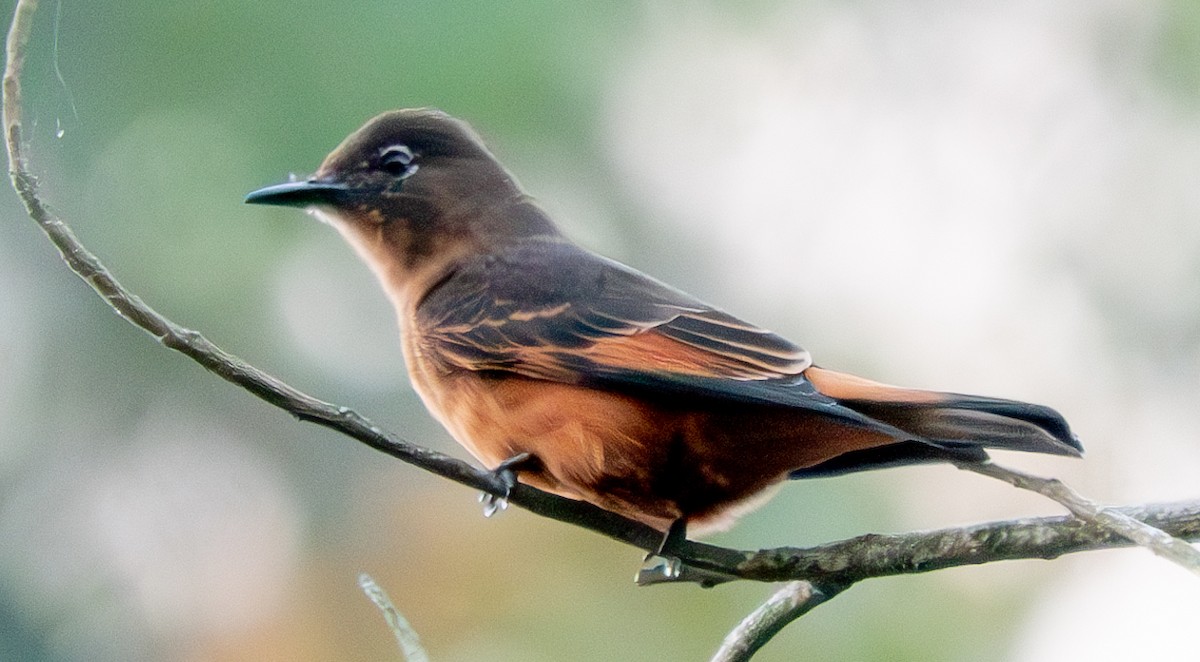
(649, 461)
(579, 435)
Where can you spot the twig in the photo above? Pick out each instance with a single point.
(790, 602)
(406, 636)
(1156, 540)
(876, 555)
(837, 566)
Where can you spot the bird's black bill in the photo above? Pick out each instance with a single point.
(297, 194)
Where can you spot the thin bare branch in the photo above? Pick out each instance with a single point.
(1156, 540)
(790, 602)
(406, 636)
(880, 555)
(835, 567)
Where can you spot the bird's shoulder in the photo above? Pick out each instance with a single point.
(551, 279)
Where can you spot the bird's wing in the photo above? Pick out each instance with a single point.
(550, 310)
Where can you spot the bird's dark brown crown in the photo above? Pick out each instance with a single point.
(428, 132)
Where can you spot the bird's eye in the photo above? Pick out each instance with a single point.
(398, 160)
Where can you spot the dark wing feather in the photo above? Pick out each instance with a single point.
(548, 309)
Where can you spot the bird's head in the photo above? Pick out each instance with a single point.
(410, 188)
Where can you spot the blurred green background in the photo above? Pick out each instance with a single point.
(995, 199)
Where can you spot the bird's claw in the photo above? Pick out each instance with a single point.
(656, 565)
(493, 504)
(665, 560)
(506, 473)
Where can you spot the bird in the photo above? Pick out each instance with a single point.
(576, 374)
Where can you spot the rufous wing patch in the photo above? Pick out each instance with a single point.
(841, 386)
(653, 352)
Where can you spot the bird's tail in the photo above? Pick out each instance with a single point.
(943, 426)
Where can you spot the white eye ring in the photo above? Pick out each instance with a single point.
(398, 160)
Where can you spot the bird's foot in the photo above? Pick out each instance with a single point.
(506, 472)
(665, 560)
